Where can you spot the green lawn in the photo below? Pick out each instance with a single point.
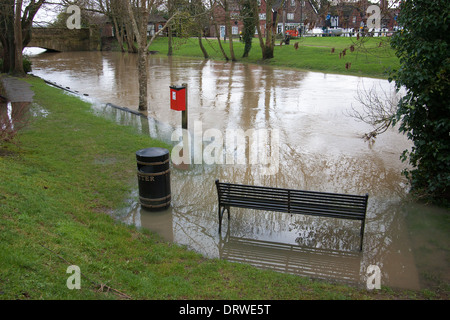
(372, 57)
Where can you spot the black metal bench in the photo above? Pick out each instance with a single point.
(323, 204)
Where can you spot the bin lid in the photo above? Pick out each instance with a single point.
(154, 153)
(177, 87)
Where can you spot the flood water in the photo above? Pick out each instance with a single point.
(316, 146)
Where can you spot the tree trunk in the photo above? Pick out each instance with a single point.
(142, 56)
(169, 30)
(255, 7)
(130, 38)
(119, 34)
(229, 30)
(269, 45)
(140, 31)
(250, 20)
(143, 77)
(7, 35)
(18, 49)
(216, 29)
(170, 41)
(205, 53)
(15, 32)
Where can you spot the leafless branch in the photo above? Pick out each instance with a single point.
(378, 108)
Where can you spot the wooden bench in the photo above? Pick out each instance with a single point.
(323, 204)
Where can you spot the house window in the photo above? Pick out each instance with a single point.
(234, 30)
(262, 16)
(292, 3)
(354, 19)
(290, 16)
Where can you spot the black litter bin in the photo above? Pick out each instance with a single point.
(153, 172)
(287, 40)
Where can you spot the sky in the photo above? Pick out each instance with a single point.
(47, 13)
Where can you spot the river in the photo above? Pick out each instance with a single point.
(313, 144)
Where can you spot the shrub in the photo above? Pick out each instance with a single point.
(424, 112)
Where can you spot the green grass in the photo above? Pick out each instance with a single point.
(369, 59)
(54, 198)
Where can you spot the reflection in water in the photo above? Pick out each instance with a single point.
(320, 149)
(327, 264)
(13, 117)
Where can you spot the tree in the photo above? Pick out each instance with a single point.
(116, 11)
(226, 6)
(16, 19)
(139, 15)
(198, 10)
(267, 46)
(250, 19)
(424, 112)
(213, 4)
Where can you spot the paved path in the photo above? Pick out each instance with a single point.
(16, 90)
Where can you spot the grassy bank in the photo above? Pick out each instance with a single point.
(71, 169)
(371, 57)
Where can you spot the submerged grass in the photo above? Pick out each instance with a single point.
(54, 196)
(372, 56)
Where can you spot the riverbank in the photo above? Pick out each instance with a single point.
(71, 169)
(366, 57)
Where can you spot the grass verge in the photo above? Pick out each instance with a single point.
(55, 192)
(372, 57)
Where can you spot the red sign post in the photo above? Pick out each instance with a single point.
(179, 102)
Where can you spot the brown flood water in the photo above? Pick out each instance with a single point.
(320, 148)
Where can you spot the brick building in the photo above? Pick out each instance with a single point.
(290, 16)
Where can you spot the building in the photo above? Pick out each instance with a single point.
(155, 23)
(291, 16)
(295, 16)
(353, 14)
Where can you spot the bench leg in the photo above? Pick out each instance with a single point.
(221, 216)
(220, 219)
(221, 212)
(362, 234)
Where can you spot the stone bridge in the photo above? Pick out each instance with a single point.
(64, 39)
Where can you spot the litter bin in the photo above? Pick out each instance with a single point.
(287, 39)
(153, 172)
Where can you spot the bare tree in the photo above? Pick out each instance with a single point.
(117, 13)
(378, 109)
(226, 6)
(267, 46)
(213, 4)
(199, 11)
(139, 15)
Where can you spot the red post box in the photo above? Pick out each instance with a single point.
(178, 98)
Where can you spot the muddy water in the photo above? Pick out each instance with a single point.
(319, 148)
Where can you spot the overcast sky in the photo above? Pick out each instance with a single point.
(47, 13)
